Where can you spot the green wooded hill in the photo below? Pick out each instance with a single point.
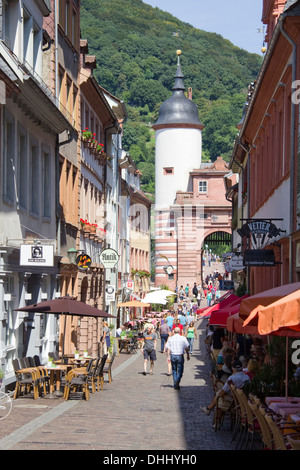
(135, 45)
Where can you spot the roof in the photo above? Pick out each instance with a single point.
(178, 109)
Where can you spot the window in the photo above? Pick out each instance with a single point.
(5, 23)
(34, 177)
(22, 168)
(169, 171)
(202, 186)
(9, 158)
(46, 178)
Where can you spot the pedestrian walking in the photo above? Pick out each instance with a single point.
(195, 290)
(106, 337)
(176, 346)
(191, 335)
(148, 348)
(164, 331)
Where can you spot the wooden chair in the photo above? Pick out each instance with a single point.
(294, 443)
(266, 436)
(26, 379)
(253, 426)
(243, 421)
(107, 368)
(280, 438)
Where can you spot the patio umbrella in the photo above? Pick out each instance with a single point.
(284, 313)
(263, 311)
(133, 303)
(226, 302)
(219, 317)
(65, 306)
(158, 297)
(266, 297)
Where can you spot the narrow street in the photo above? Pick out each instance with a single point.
(134, 412)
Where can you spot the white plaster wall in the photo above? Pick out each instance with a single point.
(277, 207)
(180, 149)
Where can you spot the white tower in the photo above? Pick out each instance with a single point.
(178, 134)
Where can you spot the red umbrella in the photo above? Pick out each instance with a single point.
(65, 306)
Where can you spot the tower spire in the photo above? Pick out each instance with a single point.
(178, 85)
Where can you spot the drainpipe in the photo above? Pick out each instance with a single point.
(292, 156)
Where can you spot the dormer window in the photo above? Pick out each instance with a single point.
(202, 187)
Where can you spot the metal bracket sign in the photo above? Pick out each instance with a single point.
(259, 258)
(109, 258)
(37, 255)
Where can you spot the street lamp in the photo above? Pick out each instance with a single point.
(72, 254)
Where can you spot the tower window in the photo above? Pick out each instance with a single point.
(169, 171)
(202, 186)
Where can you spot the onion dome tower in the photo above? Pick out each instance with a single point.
(178, 146)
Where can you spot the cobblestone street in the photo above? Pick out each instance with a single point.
(133, 412)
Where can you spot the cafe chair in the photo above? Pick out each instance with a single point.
(43, 376)
(294, 443)
(26, 379)
(97, 377)
(107, 368)
(253, 426)
(76, 382)
(132, 346)
(280, 433)
(266, 436)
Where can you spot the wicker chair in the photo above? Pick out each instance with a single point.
(25, 380)
(76, 382)
(107, 368)
(266, 436)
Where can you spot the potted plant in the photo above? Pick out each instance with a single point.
(93, 228)
(85, 353)
(50, 361)
(86, 134)
(83, 223)
(76, 354)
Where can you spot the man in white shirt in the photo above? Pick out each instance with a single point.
(176, 346)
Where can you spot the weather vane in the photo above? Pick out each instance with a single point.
(178, 35)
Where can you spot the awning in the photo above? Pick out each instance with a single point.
(266, 298)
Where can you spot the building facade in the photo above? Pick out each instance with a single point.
(266, 153)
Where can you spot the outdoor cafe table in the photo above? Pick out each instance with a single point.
(81, 359)
(282, 406)
(55, 373)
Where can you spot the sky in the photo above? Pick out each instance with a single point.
(236, 20)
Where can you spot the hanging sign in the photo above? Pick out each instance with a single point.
(36, 255)
(83, 261)
(236, 263)
(259, 258)
(110, 294)
(109, 258)
(129, 284)
(260, 231)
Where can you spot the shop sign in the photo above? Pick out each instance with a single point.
(260, 231)
(37, 255)
(83, 261)
(259, 258)
(129, 285)
(236, 263)
(109, 258)
(110, 294)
